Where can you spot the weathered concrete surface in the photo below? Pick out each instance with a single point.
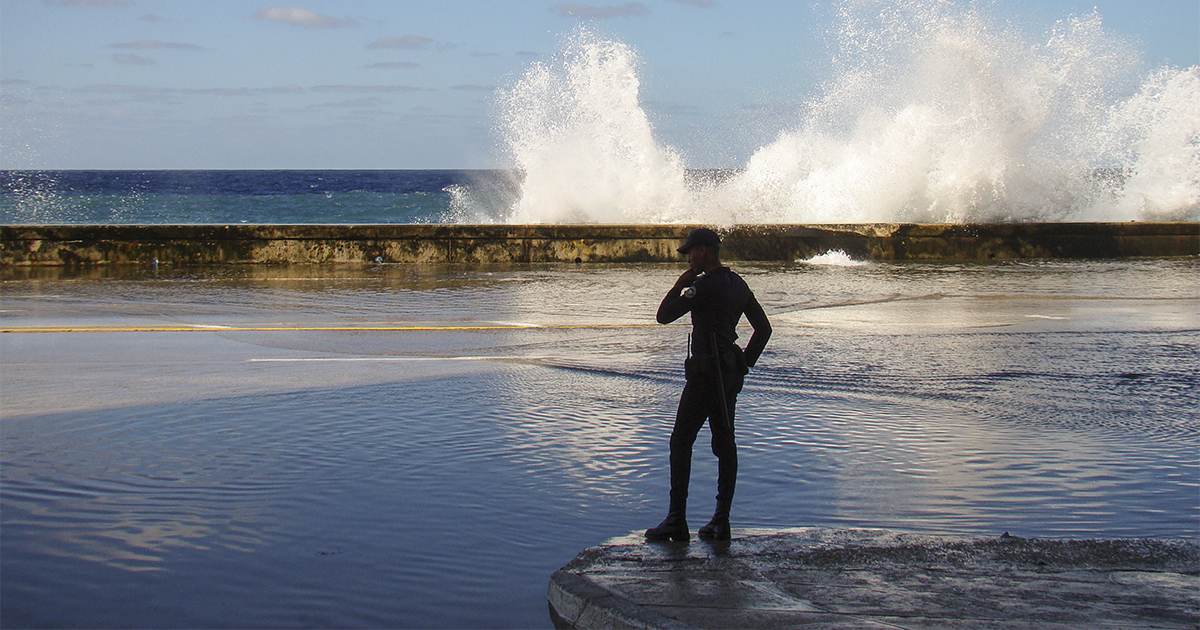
(837, 578)
(271, 244)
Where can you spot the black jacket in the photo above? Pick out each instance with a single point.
(720, 300)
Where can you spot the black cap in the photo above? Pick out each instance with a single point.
(701, 236)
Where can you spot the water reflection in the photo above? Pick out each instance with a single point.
(356, 476)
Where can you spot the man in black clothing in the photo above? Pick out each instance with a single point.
(717, 299)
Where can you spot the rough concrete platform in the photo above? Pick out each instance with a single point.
(836, 578)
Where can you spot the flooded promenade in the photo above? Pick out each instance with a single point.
(424, 445)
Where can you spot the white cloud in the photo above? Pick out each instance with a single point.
(133, 60)
(153, 44)
(301, 17)
(586, 11)
(408, 42)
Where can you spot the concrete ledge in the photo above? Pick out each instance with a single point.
(281, 244)
(576, 602)
(858, 578)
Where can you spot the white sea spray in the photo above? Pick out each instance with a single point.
(574, 127)
(833, 258)
(932, 113)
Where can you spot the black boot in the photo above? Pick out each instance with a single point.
(718, 527)
(674, 527)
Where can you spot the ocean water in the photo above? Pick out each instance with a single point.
(421, 446)
(246, 196)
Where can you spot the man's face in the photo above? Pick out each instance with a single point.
(696, 255)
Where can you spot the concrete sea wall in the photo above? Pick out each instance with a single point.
(277, 244)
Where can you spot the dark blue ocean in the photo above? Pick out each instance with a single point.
(256, 197)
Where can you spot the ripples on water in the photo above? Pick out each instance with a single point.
(279, 478)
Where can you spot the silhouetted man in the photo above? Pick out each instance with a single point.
(717, 299)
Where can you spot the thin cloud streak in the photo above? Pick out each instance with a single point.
(89, 4)
(586, 11)
(133, 60)
(365, 89)
(302, 17)
(391, 65)
(283, 89)
(366, 101)
(111, 88)
(153, 44)
(408, 42)
(141, 90)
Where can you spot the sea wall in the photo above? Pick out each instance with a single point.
(276, 244)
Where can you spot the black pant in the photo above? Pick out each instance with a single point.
(700, 402)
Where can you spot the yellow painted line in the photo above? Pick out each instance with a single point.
(391, 359)
(848, 324)
(211, 328)
(914, 324)
(449, 328)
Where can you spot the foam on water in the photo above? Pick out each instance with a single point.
(833, 258)
(932, 112)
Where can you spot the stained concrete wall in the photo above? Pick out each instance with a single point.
(224, 244)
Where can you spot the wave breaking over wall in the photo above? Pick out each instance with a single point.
(932, 113)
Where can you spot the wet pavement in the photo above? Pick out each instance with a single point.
(272, 446)
(873, 578)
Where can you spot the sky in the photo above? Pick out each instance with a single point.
(399, 84)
